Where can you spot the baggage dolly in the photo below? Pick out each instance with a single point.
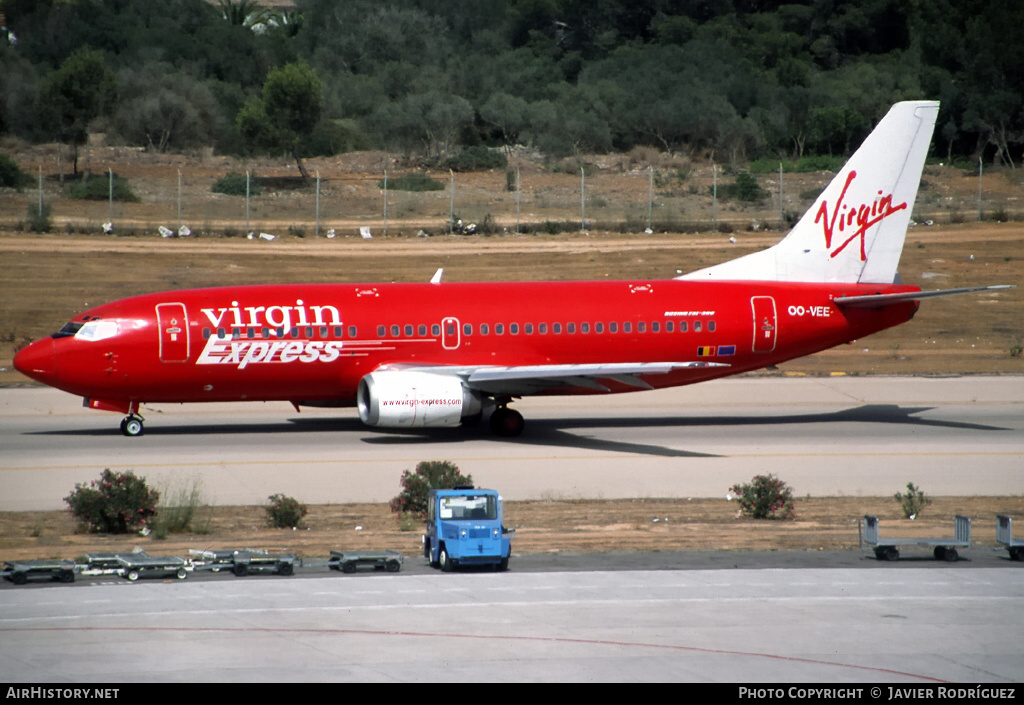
(242, 562)
(20, 572)
(135, 566)
(1004, 535)
(943, 549)
(391, 561)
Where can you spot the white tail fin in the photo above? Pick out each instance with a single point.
(854, 232)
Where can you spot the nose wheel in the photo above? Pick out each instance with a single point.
(132, 425)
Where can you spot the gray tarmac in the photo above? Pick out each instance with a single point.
(853, 436)
(728, 617)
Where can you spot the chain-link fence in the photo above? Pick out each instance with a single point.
(148, 196)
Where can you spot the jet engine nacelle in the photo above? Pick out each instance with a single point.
(397, 399)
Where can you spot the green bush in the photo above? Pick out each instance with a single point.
(39, 220)
(744, 188)
(97, 188)
(911, 502)
(429, 475)
(234, 185)
(118, 503)
(416, 181)
(11, 176)
(285, 512)
(477, 158)
(765, 497)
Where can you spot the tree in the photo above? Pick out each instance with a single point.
(286, 111)
(429, 475)
(82, 89)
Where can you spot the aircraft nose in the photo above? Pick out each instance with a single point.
(38, 361)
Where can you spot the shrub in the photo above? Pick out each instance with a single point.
(285, 512)
(118, 503)
(476, 158)
(179, 509)
(744, 188)
(234, 185)
(39, 219)
(765, 497)
(429, 475)
(11, 176)
(97, 188)
(911, 502)
(416, 181)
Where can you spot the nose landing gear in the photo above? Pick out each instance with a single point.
(132, 425)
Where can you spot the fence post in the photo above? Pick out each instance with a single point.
(583, 199)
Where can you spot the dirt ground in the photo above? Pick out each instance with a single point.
(548, 527)
(48, 277)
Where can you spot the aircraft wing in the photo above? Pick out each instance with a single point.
(530, 379)
(877, 300)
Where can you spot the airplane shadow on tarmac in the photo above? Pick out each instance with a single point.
(560, 432)
(555, 432)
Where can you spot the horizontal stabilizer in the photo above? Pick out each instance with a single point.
(875, 300)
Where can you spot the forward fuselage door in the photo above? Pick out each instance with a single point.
(172, 324)
(764, 323)
(450, 333)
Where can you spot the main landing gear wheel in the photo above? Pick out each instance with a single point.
(131, 425)
(506, 422)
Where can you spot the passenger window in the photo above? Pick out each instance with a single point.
(381, 331)
(641, 327)
(422, 330)
(352, 332)
(467, 329)
(613, 327)
(556, 327)
(584, 328)
(529, 329)
(682, 326)
(395, 331)
(484, 329)
(435, 329)
(513, 328)
(570, 327)
(599, 327)
(696, 327)
(711, 326)
(669, 327)
(542, 328)
(499, 329)
(627, 327)
(655, 327)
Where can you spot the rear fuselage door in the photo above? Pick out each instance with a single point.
(764, 323)
(173, 330)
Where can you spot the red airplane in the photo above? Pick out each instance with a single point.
(445, 354)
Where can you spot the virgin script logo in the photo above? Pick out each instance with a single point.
(863, 217)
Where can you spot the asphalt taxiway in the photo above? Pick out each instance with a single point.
(855, 436)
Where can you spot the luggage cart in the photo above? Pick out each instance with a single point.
(943, 549)
(1004, 535)
(20, 572)
(106, 563)
(242, 562)
(135, 566)
(391, 561)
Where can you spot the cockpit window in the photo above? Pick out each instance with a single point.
(97, 330)
(69, 329)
